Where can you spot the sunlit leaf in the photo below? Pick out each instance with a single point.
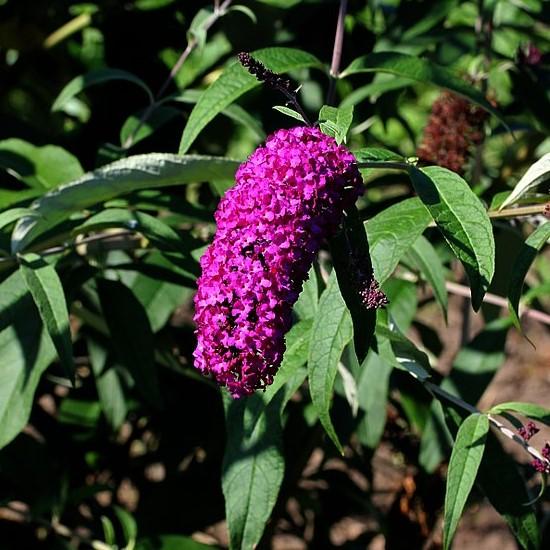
(46, 289)
(253, 466)
(419, 69)
(463, 466)
(332, 331)
(535, 175)
(121, 177)
(463, 221)
(234, 82)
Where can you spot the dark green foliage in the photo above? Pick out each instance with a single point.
(113, 160)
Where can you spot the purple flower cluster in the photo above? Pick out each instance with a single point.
(541, 466)
(288, 197)
(528, 431)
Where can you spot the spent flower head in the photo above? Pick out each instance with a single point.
(454, 127)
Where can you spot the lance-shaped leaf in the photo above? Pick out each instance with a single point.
(253, 466)
(523, 262)
(463, 221)
(155, 230)
(26, 353)
(80, 83)
(463, 466)
(38, 167)
(46, 289)
(429, 264)
(348, 247)
(331, 333)
(234, 82)
(420, 70)
(530, 410)
(108, 385)
(535, 175)
(392, 233)
(504, 486)
(10, 216)
(131, 335)
(113, 180)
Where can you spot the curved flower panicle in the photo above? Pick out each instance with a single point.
(288, 197)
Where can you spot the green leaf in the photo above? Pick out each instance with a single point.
(246, 10)
(198, 28)
(331, 333)
(134, 130)
(26, 352)
(376, 154)
(503, 485)
(131, 336)
(438, 12)
(393, 232)
(147, 5)
(160, 234)
(372, 391)
(523, 262)
(38, 167)
(427, 260)
(234, 112)
(308, 301)
(420, 70)
(158, 298)
(297, 345)
(79, 412)
(340, 119)
(346, 246)
(253, 466)
(234, 82)
(108, 385)
(529, 410)
(10, 216)
(463, 221)
(436, 439)
(289, 112)
(99, 76)
(375, 89)
(129, 527)
(403, 302)
(108, 531)
(113, 180)
(463, 466)
(403, 354)
(46, 289)
(535, 175)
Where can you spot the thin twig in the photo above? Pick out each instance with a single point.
(219, 10)
(123, 236)
(337, 51)
(532, 210)
(462, 290)
(437, 391)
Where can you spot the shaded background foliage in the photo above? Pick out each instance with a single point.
(134, 454)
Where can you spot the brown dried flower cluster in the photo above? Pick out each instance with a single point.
(455, 126)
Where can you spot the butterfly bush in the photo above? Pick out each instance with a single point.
(288, 197)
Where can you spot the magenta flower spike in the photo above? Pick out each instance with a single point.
(288, 197)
